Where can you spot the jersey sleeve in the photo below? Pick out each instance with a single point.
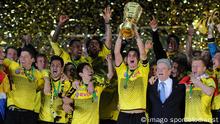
(104, 52)
(7, 62)
(60, 52)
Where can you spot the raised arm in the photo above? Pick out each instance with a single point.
(108, 33)
(140, 44)
(189, 50)
(157, 46)
(211, 40)
(62, 20)
(110, 67)
(117, 50)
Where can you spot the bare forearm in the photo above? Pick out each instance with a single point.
(110, 70)
(189, 49)
(140, 44)
(117, 52)
(207, 90)
(56, 33)
(108, 34)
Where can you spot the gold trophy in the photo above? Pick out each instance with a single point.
(132, 13)
(207, 18)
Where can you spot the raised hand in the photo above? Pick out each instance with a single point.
(63, 19)
(194, 80)
(107, 14)
(67, 108)
(152, 80)
(27, 39)
(109, 58)
(190, 30)
(153, 23)
(148, 45)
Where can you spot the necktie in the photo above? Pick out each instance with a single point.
(162, 92)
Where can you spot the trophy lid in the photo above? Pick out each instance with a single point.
(132, 10)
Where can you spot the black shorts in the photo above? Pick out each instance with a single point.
(134, 118)
(20, 117)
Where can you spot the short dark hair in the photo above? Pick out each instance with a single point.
(135, 50)
(11, 47)
(41, 55)
(80, 69)
(175, 37)
(55, 57)
(182, 63)
(30, 51)
(72, 41)
(66, 65)
(72, 71)
(94, 38)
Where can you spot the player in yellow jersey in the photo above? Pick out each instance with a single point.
(74, 53)
(132, 82)
(87, 96)
(55, 88)
(41, 63)
(199, 94)
(216, 100)
(4, 87)
(27, 81)
(98, 50)
(11, 53)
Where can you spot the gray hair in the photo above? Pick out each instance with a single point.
(165, 61)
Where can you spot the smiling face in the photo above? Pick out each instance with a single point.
(174, 70)
(56, 69)
(76, 49)
(172, 45)
(94, 47)
(26, 60)
(132, 60)
(86, 74)
(163, 71)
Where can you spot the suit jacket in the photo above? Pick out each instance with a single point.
(169, 111)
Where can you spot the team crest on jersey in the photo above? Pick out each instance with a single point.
(19, 71)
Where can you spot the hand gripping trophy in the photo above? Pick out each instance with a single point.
(132, 13)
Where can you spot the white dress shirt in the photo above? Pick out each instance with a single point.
(168, 86)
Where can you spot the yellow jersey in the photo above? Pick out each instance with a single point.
(86, 110)
(198, 104)
(45, 73)
(66, 56)
(52, 103)
(132, 96)
(24, 90)
(216, 99)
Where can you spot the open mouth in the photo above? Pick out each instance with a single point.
(132, 61)
(55, 72)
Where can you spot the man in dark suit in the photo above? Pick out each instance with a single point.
(166, 98)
